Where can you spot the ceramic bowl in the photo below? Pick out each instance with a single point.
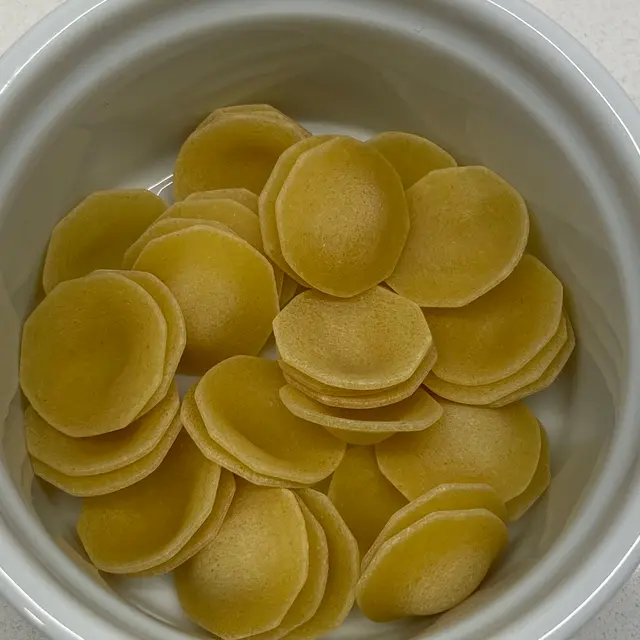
(102, 93)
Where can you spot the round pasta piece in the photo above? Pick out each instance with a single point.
(262, 432)
(246, 580)
(362, 438)
(444, 497)
(487, 393)
(518, 506)
(207, 531)
(548, 377)
(93, 354)
(469, 229)
(176, 329)
(164, 227)
(243, 196)
(363, 496)
(342, 217)
(310, 597)
(146, 524)
(104, 483)
(372, 341)
(412, 156)
(225, 288)
(194, 424)
(100, 454)
(344, 561)
(231, 152)
(498, 447)
(241, 220)
(498, 334)
(261, 110)
(382, 398)
(269, 196)
(415, 413)
(432, 565)
(97, 232)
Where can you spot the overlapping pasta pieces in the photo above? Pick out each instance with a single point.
(498, 447)
(93, 354)
(496, 335)
(369, 342)
(363, 496)
(412, 156)
(97, 232)
(225, 288)
(240, 404)
(432, 565)
(246, 580)
(383, 418)
(132, 530)
(469, 229)
(236, 150)
(342, 217)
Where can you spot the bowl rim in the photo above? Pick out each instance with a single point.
(36, 592)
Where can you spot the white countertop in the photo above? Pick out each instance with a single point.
(610, 29)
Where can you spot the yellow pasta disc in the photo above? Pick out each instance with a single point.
(312, 593)
(518, 506)
(269, 196)
(363, 496)
(262, 432)
(415, 413)
(372, 341)
(498, 334)
(225, 288)
(146, 524)
(206, 533)
(100, 454)
(548, 377)
(261, 110)
(176, 329)
(350, 399)
(111, 481)
(230, 152)
(247, 579)
(194, 424)
(432, 565)
(342, 217)
(241, 220)
(412, 156)
(164, 227)
(469, 229)
(97, 232)
(444, 497)
(93, 354)
(487, 393)
(498, 447)
(344, 561)
(243, 196)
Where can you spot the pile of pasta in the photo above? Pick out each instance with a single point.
(379, 458)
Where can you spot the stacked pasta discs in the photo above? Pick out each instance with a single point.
(133, 531)
(409, 323)
(347, 360)
(508, 344)
(262, 435)
(293, 548)
(98, 359)
(355, 220)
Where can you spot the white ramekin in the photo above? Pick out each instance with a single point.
(101, 93)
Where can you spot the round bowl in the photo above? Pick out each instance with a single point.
(101, 94)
